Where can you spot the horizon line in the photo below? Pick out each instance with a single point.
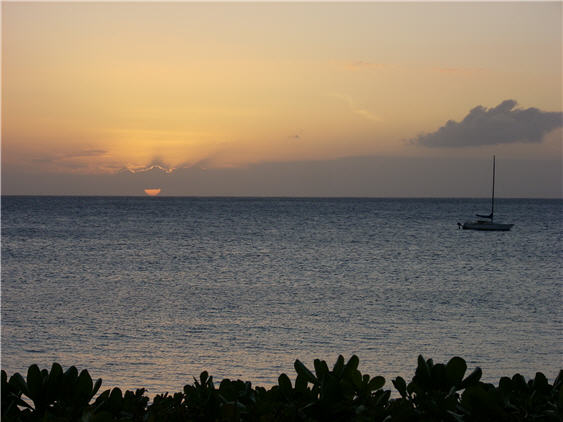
(273, 196)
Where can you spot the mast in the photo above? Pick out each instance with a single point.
(493, 196)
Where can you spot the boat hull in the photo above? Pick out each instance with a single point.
(486, 226)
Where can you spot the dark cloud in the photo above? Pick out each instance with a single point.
(352, 176)
(498, 125)
(42, 160)
(86, 153)
(72, 165)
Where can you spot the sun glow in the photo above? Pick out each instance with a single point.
(116, 86)
(152, 192)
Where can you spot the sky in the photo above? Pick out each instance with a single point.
(291, 99)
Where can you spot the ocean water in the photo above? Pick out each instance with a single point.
(149, 292)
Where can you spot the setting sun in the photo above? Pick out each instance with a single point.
(152, 192)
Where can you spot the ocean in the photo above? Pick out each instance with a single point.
(149, 292)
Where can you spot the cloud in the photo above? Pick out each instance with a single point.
(58, 158)
(44, 160)
(86, 153)
(156, 163)
(368, 176)
(502, 124)
(359, 111)
(359, 64)
(297, 135)
(465, 71)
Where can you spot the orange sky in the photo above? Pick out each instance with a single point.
(98, 87)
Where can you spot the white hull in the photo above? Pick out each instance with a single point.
(486, 225)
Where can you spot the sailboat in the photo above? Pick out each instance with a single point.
(488, 223)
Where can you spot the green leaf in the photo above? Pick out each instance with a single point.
(401, 386)
(34, 382)
(321, 368)
(352, 364)
(115, 400)
(69, 378)
(96, 387)
(84, 385)
(505, 385)
(228, 390)
(56, 371)
(53, 385)
(285, 385)
(376, 383)
(540, 383)
(303, 371)
(439, 378)
(472, 378)
(102, 398)
(381, 398)
(423, 370)
(338, 366)
(300, 383)
(203, 377)
(356, 378)
(519, 382)
(19, 383)
(455, 370)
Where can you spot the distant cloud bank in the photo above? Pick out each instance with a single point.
(498, 125)
(368, 176)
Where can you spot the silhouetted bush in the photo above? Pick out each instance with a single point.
(437, 392)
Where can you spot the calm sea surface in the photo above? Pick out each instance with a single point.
(149, 292)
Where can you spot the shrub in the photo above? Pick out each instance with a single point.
(437, 392)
